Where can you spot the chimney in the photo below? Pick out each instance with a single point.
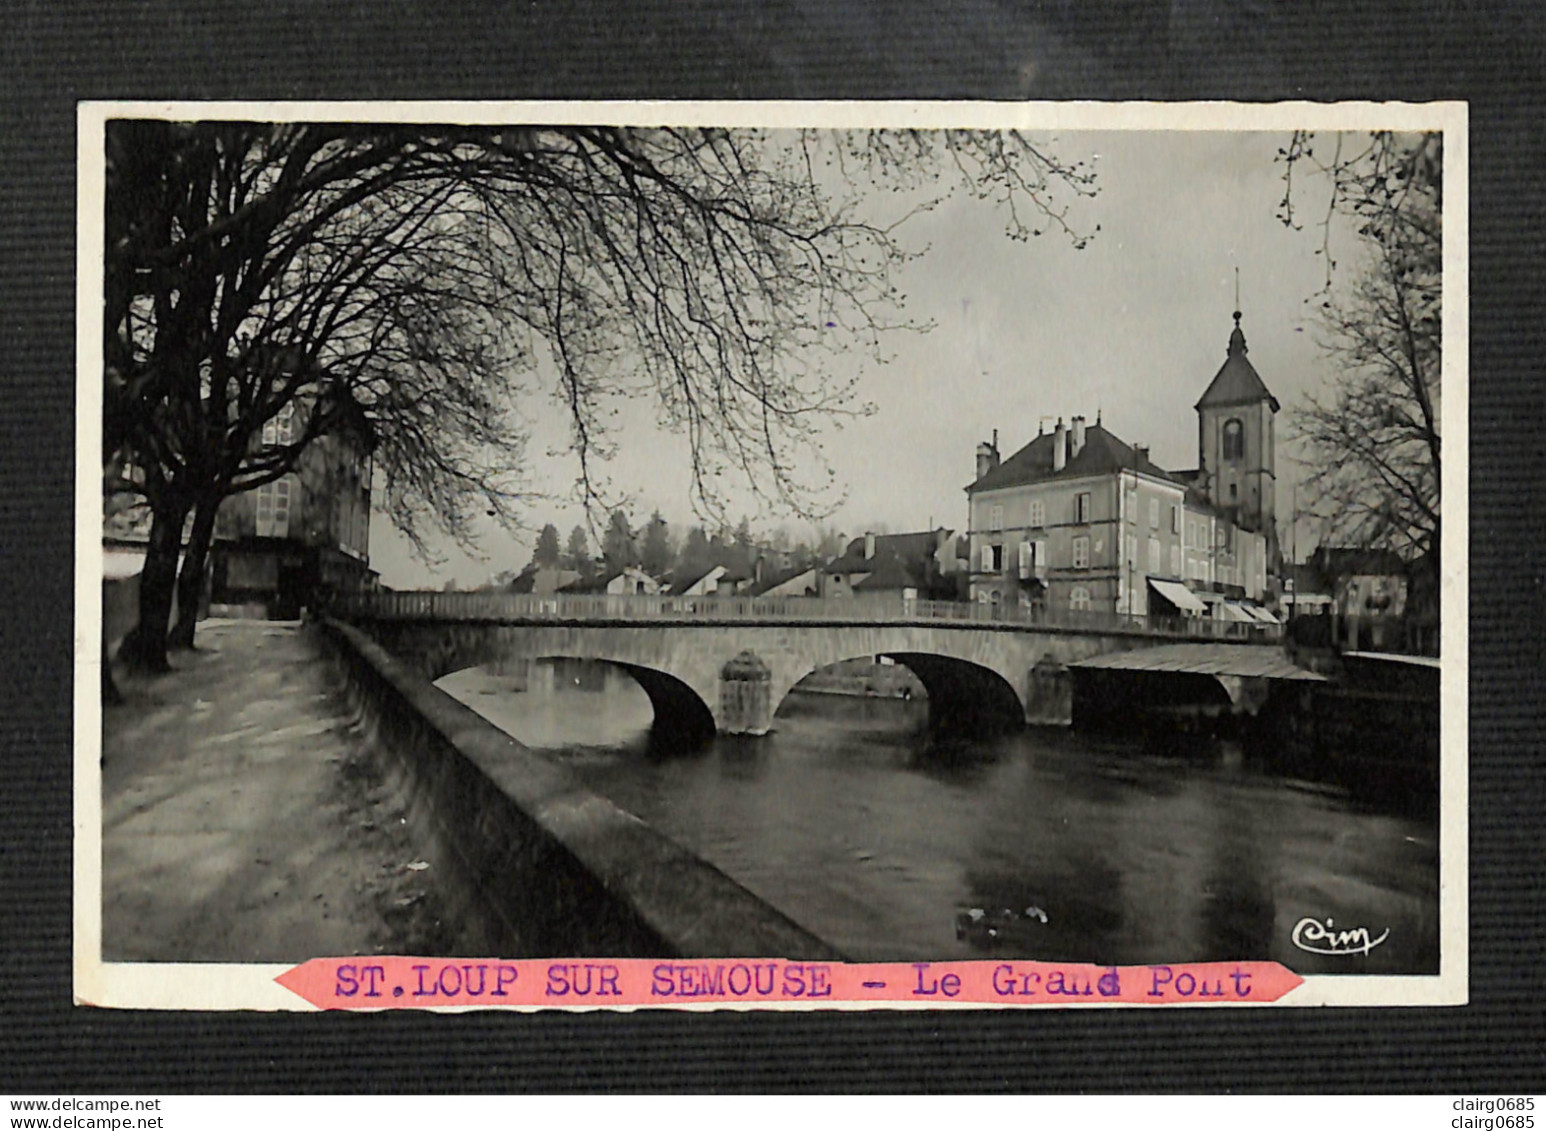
(1140, 454)
(987, 455)
(1076, 440)
(869, 544)
(1059, 446)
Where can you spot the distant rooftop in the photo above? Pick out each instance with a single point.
(912, 547)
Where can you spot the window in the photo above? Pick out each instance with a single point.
(997, 558)
(282, 508)
(1154, 555)
(1041, 557)
(1132, 505)
(1233, 441)
(1038, 513)
(1081, 552)
(1132, 549)
(1175, 561)
(280, 428)
(1234, 492)
(1154, 514)
(1079, 599)
(996, 517)
(1082, 507)
(273, 520)
(1027, 559)
(993, 598)
(1175, 519)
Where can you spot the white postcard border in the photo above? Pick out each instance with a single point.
(216, 986)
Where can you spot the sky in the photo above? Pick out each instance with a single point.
(1132, 327)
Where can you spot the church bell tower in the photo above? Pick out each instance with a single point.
(1236, 445)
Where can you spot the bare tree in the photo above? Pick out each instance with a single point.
(409, 278)
(1373, 439)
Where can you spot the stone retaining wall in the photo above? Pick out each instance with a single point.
(532, 863)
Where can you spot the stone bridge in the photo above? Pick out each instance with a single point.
(713, 664)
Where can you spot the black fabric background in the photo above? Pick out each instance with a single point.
(52, 54)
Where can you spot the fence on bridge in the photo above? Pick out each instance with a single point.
(872, 609)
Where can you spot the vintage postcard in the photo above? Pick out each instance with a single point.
(771, 555)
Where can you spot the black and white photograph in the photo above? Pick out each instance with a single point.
(899, 533)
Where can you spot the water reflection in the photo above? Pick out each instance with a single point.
(879, 838)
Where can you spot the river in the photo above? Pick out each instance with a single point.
(1043, 844)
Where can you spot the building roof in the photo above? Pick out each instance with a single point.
(779, 577)
(1339, 561)
(596, 583)
(1204, 659)
(888, 571)
(914, 547)
(1102, 454)
(1237, 381)
(681, 582)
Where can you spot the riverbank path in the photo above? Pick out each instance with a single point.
(243, 818)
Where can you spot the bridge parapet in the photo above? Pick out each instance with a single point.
(523, 608)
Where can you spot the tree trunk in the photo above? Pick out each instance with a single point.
(190, 581)
(145, 646)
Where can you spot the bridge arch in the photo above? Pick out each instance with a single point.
(966, 698)
(682, 718)
(681, 699)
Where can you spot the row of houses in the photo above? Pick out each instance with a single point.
(927, 564)
(1077, 520)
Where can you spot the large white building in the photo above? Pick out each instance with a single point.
(1079, 520)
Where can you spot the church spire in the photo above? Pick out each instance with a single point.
(1237, 339)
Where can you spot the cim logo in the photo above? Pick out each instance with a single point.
(1310, 934)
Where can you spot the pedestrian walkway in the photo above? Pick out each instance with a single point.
(243, 821)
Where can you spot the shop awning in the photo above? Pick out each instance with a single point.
(1262, 614)
(1178, 595)
(1238, 613)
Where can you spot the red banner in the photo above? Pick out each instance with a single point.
(417, 983)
